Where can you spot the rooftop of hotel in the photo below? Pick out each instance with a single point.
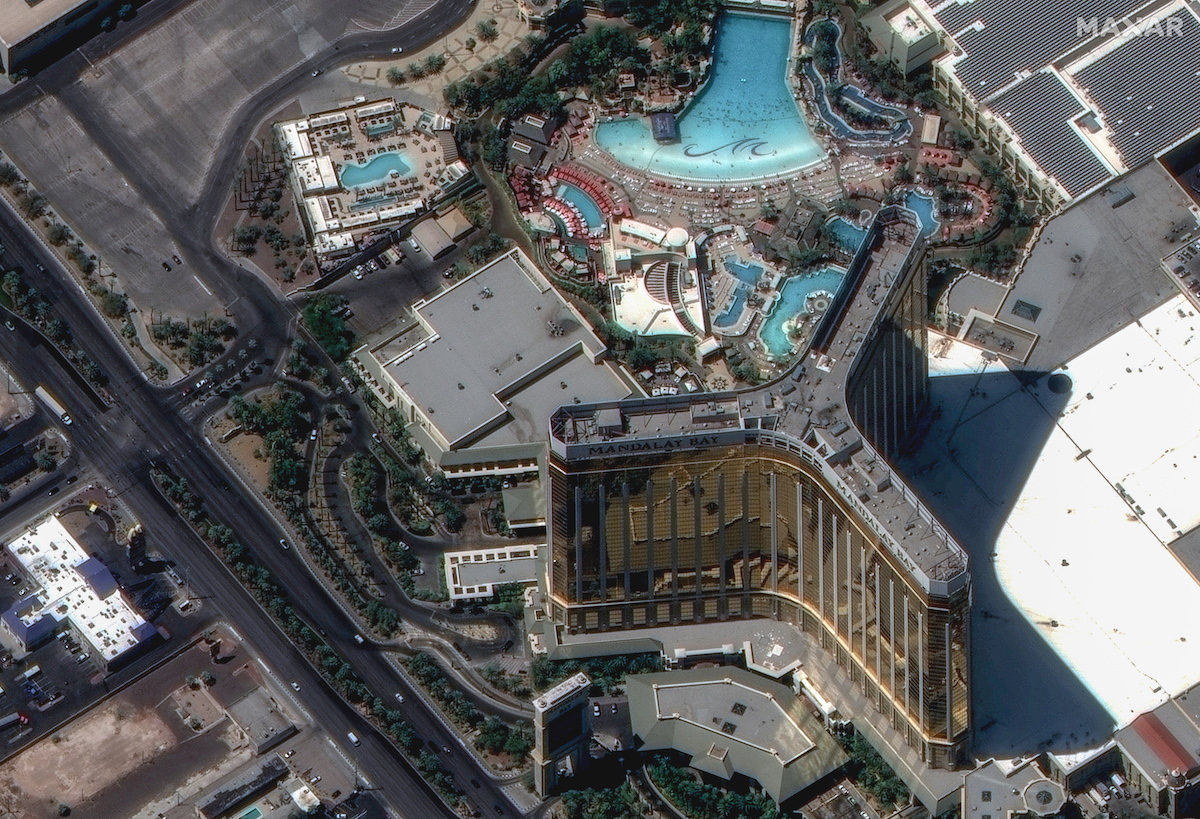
(814, 411)
(497, 352)
(20, 19)
(731, 721)
(72, 585)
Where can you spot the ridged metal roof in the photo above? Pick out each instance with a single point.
(1149, 90)
(1040, 110)
(1018, 35)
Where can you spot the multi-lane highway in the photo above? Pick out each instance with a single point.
(147, 423)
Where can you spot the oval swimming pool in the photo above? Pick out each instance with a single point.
(377, 170)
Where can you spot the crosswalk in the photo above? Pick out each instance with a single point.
(387, 17)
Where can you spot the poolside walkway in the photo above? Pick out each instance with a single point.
(678, 203)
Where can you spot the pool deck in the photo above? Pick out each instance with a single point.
(678, 203)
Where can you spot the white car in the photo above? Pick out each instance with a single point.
(398, 50)
(295, 685)
(399, 697)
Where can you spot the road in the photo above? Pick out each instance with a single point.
(149, 423)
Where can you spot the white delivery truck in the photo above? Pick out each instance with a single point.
(52, 402)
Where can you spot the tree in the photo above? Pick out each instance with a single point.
(4, 492)
(395, 75)
(33, 204)
(434, 63)
(245, 237)
(45, 461)
(328, 329)
(961, 140)
(9, 175)
(58, 331)
(487, 31)
(58, 234)
(642, 357)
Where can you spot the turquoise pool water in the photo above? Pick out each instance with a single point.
(375, 171)
(848, 236)
(744, 124)
(747, 274)
(923, 206)
(734, 311)
(253, 813)
(791, 303)
(744, 271)
(590, 211)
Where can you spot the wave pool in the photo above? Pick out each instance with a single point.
(744, 124)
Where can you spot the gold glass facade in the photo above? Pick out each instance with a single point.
(753, 530)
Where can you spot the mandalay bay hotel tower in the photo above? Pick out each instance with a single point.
(666, 512)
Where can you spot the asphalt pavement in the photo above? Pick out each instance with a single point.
(148, 423)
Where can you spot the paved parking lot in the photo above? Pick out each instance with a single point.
(69, 168)
(383, 297)
(130, 143)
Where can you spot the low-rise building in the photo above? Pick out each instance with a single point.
(73, 587)
(364, 169)
(730, 722)
(476, 574)
(29, 28)
(485, 363)
(1070, 102)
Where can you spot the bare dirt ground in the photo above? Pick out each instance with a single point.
(63, 768)
(241, 450)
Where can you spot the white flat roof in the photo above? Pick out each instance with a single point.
(1088, 571)
(474, 574)
(52, 558)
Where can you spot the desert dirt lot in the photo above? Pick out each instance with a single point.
(63, 768)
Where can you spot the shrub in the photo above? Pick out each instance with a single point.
(59, 234)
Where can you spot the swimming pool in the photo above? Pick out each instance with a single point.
(377, 170)
(923, 206)
(593, 217)
(846, 235)
(745, 272)
(791, 303)
(747, 275)
(744, 124)
(734, 311)
(253, 813)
